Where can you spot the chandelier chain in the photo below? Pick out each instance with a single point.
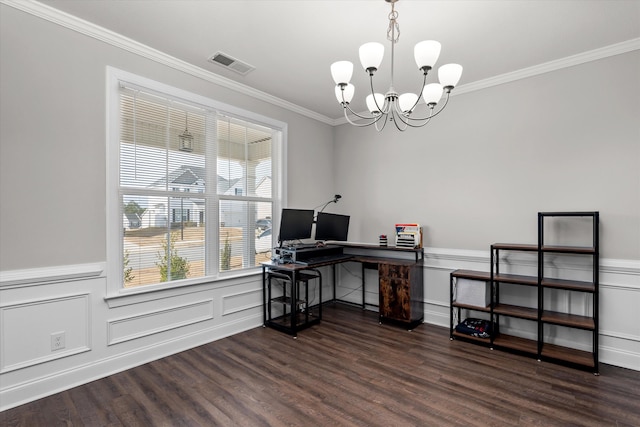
(393, 32)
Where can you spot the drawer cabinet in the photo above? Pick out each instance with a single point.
(401, 293)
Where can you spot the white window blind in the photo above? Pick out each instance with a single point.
(189, 214)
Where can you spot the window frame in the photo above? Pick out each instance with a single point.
(114, 224)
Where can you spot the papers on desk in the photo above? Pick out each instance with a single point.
(408, 235)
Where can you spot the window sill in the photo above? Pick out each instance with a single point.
(156, 292)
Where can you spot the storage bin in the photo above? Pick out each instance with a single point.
(473, 292)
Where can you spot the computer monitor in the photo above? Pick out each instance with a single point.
(332, 226)
(295, 224)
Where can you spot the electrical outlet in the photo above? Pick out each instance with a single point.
(57, 341)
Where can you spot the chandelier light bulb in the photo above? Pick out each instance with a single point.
(371, 56)
(349, 90)
(449, 75)
(371, 103)
(406, 101)
(432, 94)
(342, 71)
(426, 54)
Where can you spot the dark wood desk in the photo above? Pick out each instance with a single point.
(400, 280)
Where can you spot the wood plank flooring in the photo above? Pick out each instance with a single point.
(347, 371)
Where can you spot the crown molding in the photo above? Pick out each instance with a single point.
(546, 67)
(89, 29)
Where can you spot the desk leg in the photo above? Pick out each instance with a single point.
(363, 290)
(306, 302)
(294, 304)
(334, 284)
(268, 307)
(320, 292)
(265, 301)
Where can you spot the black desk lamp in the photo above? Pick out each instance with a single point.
(334, 200)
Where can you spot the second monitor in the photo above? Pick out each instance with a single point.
(332, 227)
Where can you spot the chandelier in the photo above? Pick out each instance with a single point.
(391, 106)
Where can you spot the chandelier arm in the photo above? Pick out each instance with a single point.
(433, 114)
(372, 117)
(424, 81)
(373, 94)
(384, 123)
(419, 125)
(345, 106)
(397, 106)
(398, 117)
(361, 125)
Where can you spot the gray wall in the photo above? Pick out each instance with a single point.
(52, 152)
(480, 172)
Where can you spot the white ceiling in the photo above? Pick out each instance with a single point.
(292, 43)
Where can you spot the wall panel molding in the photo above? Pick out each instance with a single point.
(155, 322)
(241, 301)
(47, 275)
(31, 345)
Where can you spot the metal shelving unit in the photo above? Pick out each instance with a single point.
(539, 314)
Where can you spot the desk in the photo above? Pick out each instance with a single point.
(400, 284)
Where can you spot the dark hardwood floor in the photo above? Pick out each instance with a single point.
(347, 371)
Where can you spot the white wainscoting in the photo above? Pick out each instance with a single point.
(103, 337)
(155, 322)
(26, 329)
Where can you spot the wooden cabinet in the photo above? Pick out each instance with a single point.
(401, 292)
(543, 313)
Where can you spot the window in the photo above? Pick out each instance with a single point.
(187, 212)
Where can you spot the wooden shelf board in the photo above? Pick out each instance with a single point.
(570, 285)
(516, 343)
(516, 279)
(569, 249)
(471, 274)
(486, 309)
(516, 311)
(571, 355)
(566, 319)
(515, 247)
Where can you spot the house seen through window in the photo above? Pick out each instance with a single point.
(197, 212)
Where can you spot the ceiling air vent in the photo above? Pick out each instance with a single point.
(231, 63)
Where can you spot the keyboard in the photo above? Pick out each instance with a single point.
(324, 258)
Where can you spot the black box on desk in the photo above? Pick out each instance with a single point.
(294, 254)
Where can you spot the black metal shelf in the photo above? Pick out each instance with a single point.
(540, 315)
